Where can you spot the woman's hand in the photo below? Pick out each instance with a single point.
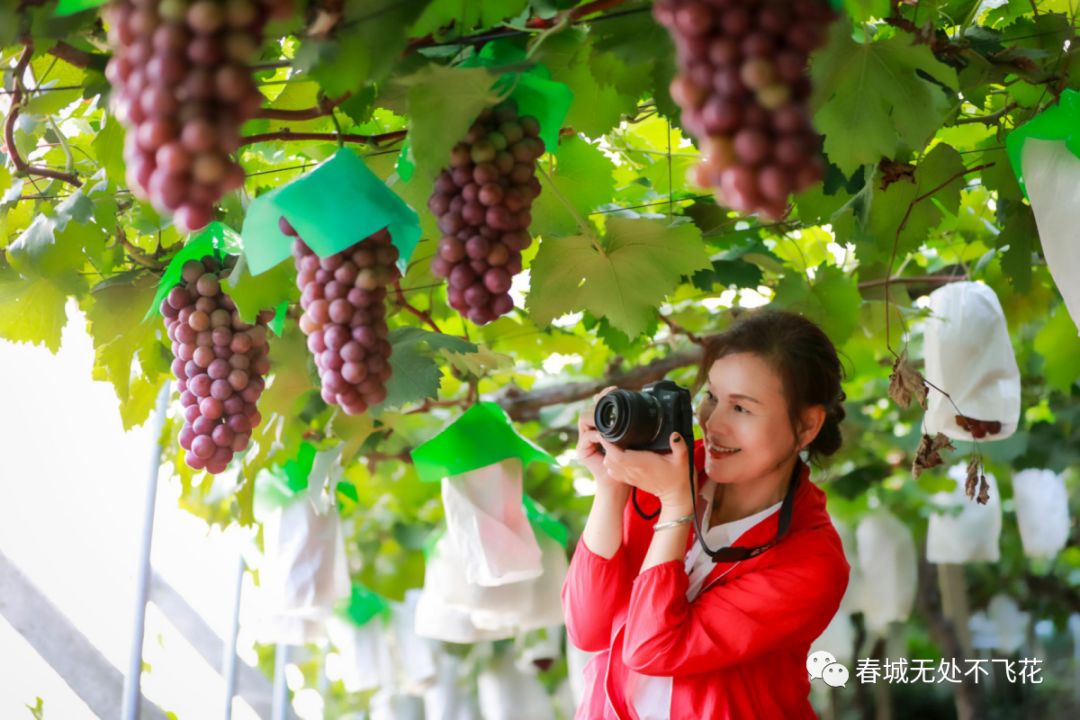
(665, 475)
(589, 452)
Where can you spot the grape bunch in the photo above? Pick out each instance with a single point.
(743, 90)
(343, 297)
(483, 201)
(182, 88)
(220, 363)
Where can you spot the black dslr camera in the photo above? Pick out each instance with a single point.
(645, 420)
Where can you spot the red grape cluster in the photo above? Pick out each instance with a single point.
(343, 297)
(483, 203)
(182, 88)
(220, 365)
(743, 90)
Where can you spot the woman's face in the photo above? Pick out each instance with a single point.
(744, 420)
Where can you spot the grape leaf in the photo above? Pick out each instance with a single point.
(265, 292)
(443, 103)
(1059, 345)
(128, 353)
(51, 103)
(464, 15)
(479, 362)
(57, 247)
(618, 341)
(942, 165)
(582, 181)
(831, 300)
(622, 276)
(416, 375)
(802, 249)
(518, 334)
(366, 45)
(598, 107)
(353, 430)
(726, 273)
(869, 99)
(285, 394)
(108, 146)
(31, 310)
(1019, 234)
(863, 10)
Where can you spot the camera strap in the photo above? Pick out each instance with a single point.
(733, 554)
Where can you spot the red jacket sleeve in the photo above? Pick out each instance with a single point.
(594, 590)
(782, 604)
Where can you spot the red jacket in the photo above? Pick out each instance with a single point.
(738, 651)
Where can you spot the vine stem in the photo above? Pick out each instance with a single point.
(680, 330)
(9, 127)
(322, 109)
(566, 17)
(399, 296)
(912, 280)
(987, 120)
(900, 228)
(286, 134)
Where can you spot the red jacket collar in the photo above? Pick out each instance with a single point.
(809, 511)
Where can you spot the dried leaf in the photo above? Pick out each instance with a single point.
(976, 476)
(978, 428)
(928, 454)
(906, 383)
(972, 476)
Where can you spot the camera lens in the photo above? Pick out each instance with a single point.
(628, 419)
(610, 414)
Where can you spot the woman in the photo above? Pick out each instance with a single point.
(678, 635)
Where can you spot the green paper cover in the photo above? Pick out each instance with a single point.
(544, 521)
(70, 7)
(333, 207)
(215, 239)
(482, 436)
(278, 486)
(362, 606)
(1058, 122)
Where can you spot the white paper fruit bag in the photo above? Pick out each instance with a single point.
(1045, 155)
(968, 354)
(389, 705)
(545, 592)
(486, 522)
(449, 698)
(479, 459)
(507, 693)
(415, 654)
(454, 610)
(964, 530)
(889, 568)
(1042, 512)
(303, 571)
(1002, 627)
(358, 632)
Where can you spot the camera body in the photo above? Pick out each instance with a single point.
(644, 420)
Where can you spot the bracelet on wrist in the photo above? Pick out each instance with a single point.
(673, 523)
